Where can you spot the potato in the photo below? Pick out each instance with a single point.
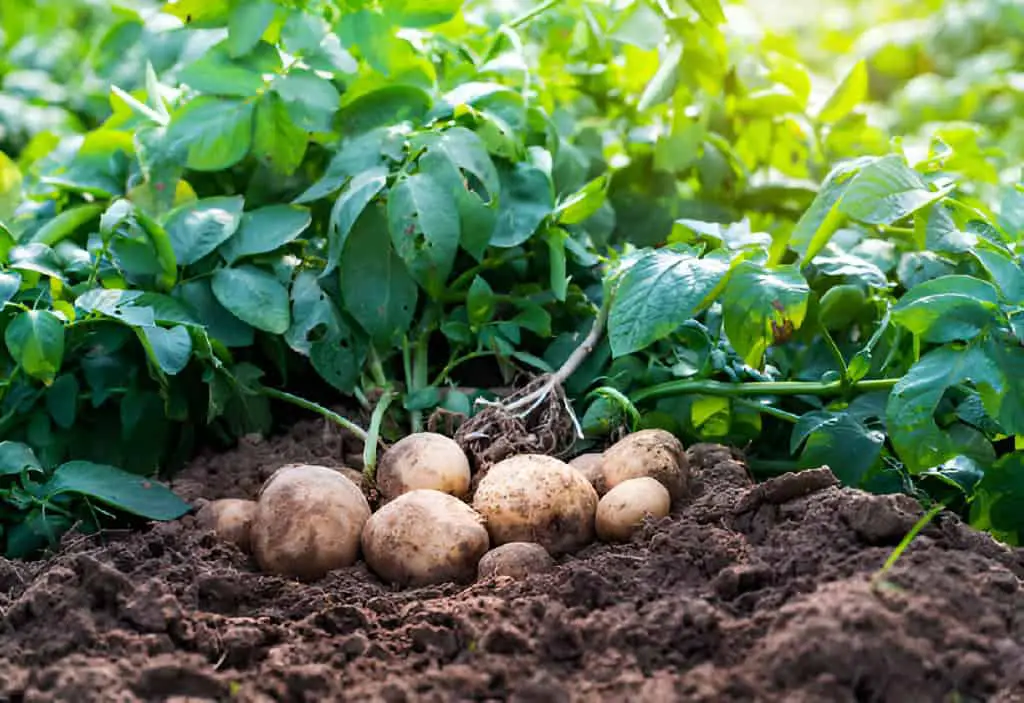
(591, 465)
(536, 498)
(423, 460)
(515, 559)
(654, 453)
(623, 509)
(424, 537)
(230, 518)
(308, 521)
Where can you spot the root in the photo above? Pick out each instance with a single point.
(536, 419)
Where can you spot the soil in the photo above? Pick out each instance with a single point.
(743, 594)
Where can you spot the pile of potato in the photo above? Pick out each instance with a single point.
(309, 520)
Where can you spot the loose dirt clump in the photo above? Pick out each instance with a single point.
(742, 594)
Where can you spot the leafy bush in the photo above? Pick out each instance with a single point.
(416, 204)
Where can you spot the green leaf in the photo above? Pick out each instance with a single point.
(170, 349)
(198, 228)
(998, 504)
(276, 138)
(351, 203)
(422, 13)
(762, 307)
(480, 302)
(10, 282)
(663, 84)
(254, 296)
(949, 308)
(265, 230)
(216, 133)
(62, 400)
(910, 420)
(821, 220)
(424, 226)
(526, 199)
(1005, 272)
(390, 105)
(887, 191)
(16, 457)
(709, 10)
(10, 186)
(35, 339)
(119, 489)
(659, 293)
(356, 155)
(557, 237)
(583, 203)
(851, 92)
(837, 440)
(1003, 393)
(248, 22)
(218, 322)
(375, 285)
(311, 100)
(216, 72)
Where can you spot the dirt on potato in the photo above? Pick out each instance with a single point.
(742, 594)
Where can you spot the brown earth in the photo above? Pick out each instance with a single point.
(744, 594)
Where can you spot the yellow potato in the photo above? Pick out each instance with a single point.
(424, 537)
(623, 509)
(423, 460)
(515, 559)
(230, 518)
(591, 465)
(535, 498)
(654, 453)
(308, 522)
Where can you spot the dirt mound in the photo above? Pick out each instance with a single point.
(745, 594)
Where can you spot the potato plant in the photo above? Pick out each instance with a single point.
(407, 208)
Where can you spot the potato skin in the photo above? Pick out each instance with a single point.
(308, 521)
(423, 460)
(623, 509)
(591, 465)
(536, 498)
(654, 453)
(230, 518)
(424, 537)
(515, 559)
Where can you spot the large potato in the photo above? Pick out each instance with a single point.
(308, 522)
(591, 465)
(424, 537)
(230, 519)
(654, 453)
(535, 498)
(515, 559)
(623, 509)
(423, 460)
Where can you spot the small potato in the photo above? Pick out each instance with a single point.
(230, 518)
(623, 509)
(423, 460)
(654, 453)
(591, 465)
(424, 537)
(536, 498)
(515, 559)
(308, 522)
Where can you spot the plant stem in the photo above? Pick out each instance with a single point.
(529, 15)
(719, 388)
(317, 408)
(844, 372)
(376, 370)
(767, 410)
(909, 537)
(440, 378)
(418, 379)
(373, 436)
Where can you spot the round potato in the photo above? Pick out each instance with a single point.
(536, 498)
(423, 460)
(654, 453)
(623, 509)
(424, 537)
(308, 522)
(230, 518)
(591, 465)
(515, 559)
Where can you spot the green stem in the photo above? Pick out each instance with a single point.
(530, 15)
(376, 370)
(466, 277)
(909, 537)
(768, 410)
(317, 408)
(844, 372)
(419, 377)
(719, 388)
(373, 436)
(443, 375)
